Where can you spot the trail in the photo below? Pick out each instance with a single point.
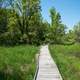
(47, 67)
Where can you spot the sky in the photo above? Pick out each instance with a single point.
(68, 9)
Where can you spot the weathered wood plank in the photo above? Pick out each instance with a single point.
(47, 67)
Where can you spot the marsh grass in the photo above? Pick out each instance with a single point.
(67, 58)
(17, 63)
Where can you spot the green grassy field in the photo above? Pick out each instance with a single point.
(17, 63)
(67, 59)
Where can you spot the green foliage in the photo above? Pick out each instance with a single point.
(18, 62)
(21, 22)
(57, 28)
(24, 23)
(10, 34)
(14, 32)
(69, 37)
(77, 32)
(67, 59)
(3, 20)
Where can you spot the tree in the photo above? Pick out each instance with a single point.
(57, 28)
(25, 17)
(3, 21)
(69, 37)
(77, 32)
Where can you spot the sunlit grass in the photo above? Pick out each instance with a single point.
(67, 59)
(17, 63)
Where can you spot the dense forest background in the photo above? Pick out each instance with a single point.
(21, 22)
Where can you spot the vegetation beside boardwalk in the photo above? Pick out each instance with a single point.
(21, 22)
(67, 58)
(17, 63)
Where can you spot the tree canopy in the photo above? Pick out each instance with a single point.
(21, 22)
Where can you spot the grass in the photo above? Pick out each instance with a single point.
(67, 58)
(17, 63)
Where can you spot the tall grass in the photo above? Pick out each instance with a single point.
(67, 59)
(17, 63)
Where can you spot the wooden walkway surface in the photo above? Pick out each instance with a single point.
(47, 67)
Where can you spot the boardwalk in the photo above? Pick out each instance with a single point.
(47, 67)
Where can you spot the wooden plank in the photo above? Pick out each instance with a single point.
(47, 67)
